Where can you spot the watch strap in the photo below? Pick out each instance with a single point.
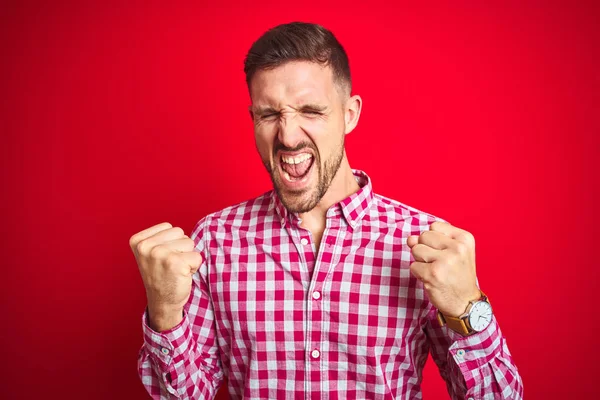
(460, 324)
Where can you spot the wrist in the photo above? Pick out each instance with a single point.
(476, 317)
(462, 307)
(160, 319)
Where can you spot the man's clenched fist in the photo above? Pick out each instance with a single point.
(167, 261)
(445, 263)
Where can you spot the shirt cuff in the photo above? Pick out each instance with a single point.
(471, 352)
(167, 347)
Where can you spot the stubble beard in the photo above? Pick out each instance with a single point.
(298, 201)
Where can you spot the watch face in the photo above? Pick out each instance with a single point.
(480, 315)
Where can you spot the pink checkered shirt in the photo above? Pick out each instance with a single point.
(280, 321)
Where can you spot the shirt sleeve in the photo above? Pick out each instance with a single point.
(183, 362)
(478, 366)
(474, 367)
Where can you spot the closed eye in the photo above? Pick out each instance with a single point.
(311, 112)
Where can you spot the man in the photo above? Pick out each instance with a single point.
(320, 288)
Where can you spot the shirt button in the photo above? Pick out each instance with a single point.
(165, 351)
(304, 241)
(315, 353)
(470, 398)
(316, 295)
(460, 352)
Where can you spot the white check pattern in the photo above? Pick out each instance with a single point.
(282, 322)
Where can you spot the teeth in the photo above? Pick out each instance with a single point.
(296, 160)
(287, 176)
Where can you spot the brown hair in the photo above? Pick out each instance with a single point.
(299, 41)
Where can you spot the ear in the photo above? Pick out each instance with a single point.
(352, 113)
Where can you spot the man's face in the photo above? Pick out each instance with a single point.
(298, 114)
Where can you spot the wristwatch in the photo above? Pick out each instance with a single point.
(476, 318)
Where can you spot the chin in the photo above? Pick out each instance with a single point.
(300, 201)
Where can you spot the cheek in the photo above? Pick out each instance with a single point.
(326, 136)
(264, 142)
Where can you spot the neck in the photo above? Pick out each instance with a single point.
(343, 185)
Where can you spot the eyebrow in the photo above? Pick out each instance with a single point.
(262, 110)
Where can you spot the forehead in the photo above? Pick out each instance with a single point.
(294, 82)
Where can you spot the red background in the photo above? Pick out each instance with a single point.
(114, 118)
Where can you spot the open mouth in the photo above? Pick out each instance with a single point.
(297, 167)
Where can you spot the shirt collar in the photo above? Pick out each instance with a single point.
(353, 207)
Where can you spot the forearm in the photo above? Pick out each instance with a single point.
(163, 319)
(180, 357)
(166, 364)
(479, 366)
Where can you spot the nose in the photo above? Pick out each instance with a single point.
(290, 133)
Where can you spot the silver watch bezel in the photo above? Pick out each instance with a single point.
(470, 314)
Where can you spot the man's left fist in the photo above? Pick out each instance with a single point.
(445, 263)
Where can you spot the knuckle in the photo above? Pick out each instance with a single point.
(470, 238)
(172, 260)
(437, 272)
(178, 231)
(141, 247)
(156, 252)
(461, 248)
(434, 271)
(133, 241)
(198, 256)
(452, 258)
(196, 265)
(466, 237)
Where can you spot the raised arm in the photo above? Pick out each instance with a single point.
(179, 358)
(472, 357)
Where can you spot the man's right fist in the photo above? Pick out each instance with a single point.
(167, 261)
